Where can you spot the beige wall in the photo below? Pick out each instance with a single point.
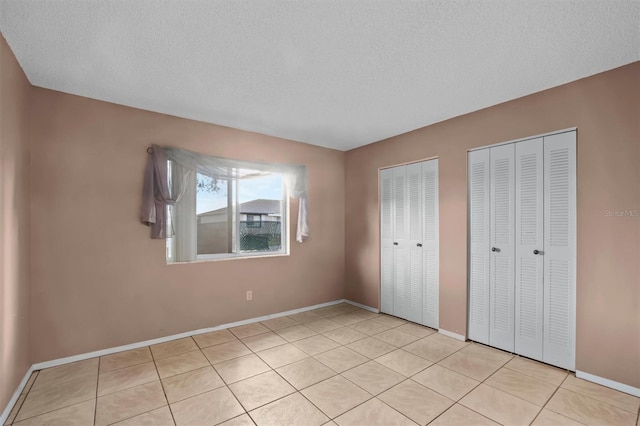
(14, 224)
(99, 281)
(606, 110)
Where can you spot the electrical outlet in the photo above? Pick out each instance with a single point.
(249, 295)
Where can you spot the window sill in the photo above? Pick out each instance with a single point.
(240, 256)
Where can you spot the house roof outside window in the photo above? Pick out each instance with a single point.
(261, 207)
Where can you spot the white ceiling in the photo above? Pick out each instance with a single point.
(333, 73)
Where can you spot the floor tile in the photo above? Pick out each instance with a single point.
(416, 401)
(450, 342)
(345, 335)
(182, 363)
(249, 330)
(282, 355)
(446, 382)
(186, 385)
(14, 410)
(431, 351)
(305, 373)
(335, 396)
(347, 319)
(293, 410)
(362, 313)
(259, 390)
(65, 373)
(522, 386)
(263, 341)
(214, 338)
(473, 364)
(125, 378)
(370, 327)
(538, 370)
(241, 368)
(125, 359)
(403, 362)
(416, 330)
(29, 384)
(279, 323)
(225, 351)
(208, 408)
(588, 410)
(54, 397)
(323, 325)
(315, 344)
(305, 317)
(297, 332)
(500, 406)
(241, 420)
(396, 337)
(373, 413)
(328, 311)
(174, 347)
(373, 377)
(159, 417)
(79, 414)
(459, 415)
(129, 403)
(549, 418)
(341, 359)
(389, 321)
(603, 394)
(371, 347)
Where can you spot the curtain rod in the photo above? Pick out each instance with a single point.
(149, 150)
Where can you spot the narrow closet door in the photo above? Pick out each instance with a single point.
(430, 244)
(386, 241)
(400, 242)
(413, 307)
(529, 248)
(479, 245)
(501, 269)
(560, 249)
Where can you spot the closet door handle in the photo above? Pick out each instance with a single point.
(419, 245)
(395, 244)
(495, 249)
(536, 252)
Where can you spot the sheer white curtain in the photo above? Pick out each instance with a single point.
(173, 189)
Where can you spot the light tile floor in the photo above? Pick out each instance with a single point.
(335, 365)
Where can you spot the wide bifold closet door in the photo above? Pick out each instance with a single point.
(522, 244)
(409, 242)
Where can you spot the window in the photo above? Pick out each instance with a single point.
(184, 190)
(230, 218)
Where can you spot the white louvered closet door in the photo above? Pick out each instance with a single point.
(414, 203)
(529, 248)
(400, 243)
(430, 245)
(386, 241)
(479, 245)
(501, 265)
(560, 249)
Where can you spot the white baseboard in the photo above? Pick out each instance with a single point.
(452, 334)
(609, 383)
(360, 305)
(109, 351)
(5, 414)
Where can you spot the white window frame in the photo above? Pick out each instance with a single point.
(236, 254)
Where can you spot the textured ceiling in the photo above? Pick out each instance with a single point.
(339, 74)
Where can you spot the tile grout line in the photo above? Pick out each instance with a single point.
(153, 358)
(95, 408)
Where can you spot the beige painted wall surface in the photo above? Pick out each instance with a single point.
(606, 110)
(14, 224)
(98, 279)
